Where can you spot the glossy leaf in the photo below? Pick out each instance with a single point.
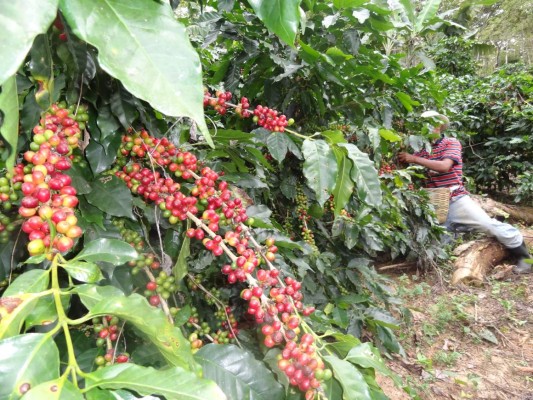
(348, 3)
(33, 281)
(364, 175)
(238, 373)
(149, 320)
(9, 119)
(181, 268)
(320, 168)
(32, 358)
(389, 135)
(281, 17)
(58, 389)
(13, 312)
(45, 312)
(344, 187)
(172, 383)
(352, 381)
(21, 22)
(84, 271)
(171, 81)
(277, 144)
(112, 196)
(367, 356)
(113, 251)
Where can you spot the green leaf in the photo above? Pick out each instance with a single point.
(9, 119)
(428, 12)
(13, 312)
(173, 383)
(344, 187)
(21, 22)
(277, 144)
(58, 389)
(340, 4)
(171, 81)
(90, 295)
(112, 196)
(407, 101)
(351, 380)
(84, 271)
(281, 17)
(32, 358)
(45, 312)
(320, 168)
(226, 135)
(181, 268)
(364, 175)
(149, 320)
(238, 373)
(113, 251)
(389, 135)
(367, 356)
(33, 281)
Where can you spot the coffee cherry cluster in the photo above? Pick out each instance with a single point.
(107, 332)
(302, 367)
(304, 218)
(265, 117)
(162, 287)
(48, 196)
(273, 303)
(386, 168)
(130, 236)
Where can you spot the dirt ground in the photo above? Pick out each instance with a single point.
(465, 342)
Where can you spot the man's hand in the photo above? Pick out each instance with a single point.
(406, 158)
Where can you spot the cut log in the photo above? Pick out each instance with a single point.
(476, 258)
(513, 212)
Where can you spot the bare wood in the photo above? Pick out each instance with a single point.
(476, 258)
(528, 370)
(473, 261)
(399, 265)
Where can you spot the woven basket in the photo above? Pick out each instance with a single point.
(440, 198)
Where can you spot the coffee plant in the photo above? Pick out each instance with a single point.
(169, 233)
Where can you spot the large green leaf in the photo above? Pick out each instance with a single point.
(281, 17)
(33, 281)
(181, 268)
(364, 175)
(344, 187)
(26, 359)
(348, 3)
(21, 22)
(13, 312)
(9, 119)
(367, 356)
(149, 320)
(142, 44)
(352, 381)
(113, 251)
(428, 12)
(112, 196)
(172, 383)
(278, 145)
(238, 373)
(85, 271)
(320, 168)
(58, 389)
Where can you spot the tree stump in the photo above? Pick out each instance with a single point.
(476, 258)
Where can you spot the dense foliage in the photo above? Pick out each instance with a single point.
(200, 217)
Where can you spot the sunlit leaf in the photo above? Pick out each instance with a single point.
(171, 81)
(21, 22)
(9, 119)
(238, 373)
(173, 383)
(281, 17)
(113, 251)
(26, 359)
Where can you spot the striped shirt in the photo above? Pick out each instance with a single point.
(446, 148)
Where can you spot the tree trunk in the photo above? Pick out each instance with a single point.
(476, 258)
(513, 212)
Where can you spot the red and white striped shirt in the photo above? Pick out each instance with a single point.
(446, 148)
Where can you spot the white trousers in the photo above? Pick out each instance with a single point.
(465, 215)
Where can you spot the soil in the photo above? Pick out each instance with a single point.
(465, 342)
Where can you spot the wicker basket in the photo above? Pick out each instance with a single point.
(440, 198)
